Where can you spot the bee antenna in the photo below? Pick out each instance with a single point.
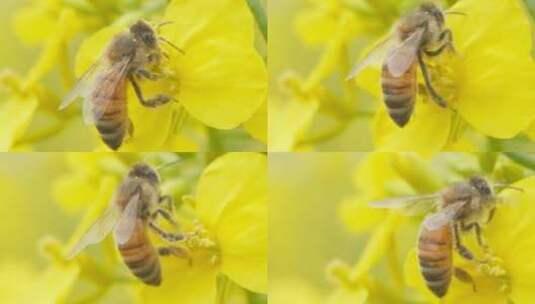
(507, 186)
(163, 23)
(169, 164)
(455, 13)
(181, 51)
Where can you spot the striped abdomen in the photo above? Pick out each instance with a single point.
(141, 257)
(399, 94)
(110, 111)
(435, 258)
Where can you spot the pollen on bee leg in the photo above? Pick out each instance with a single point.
(444, 71)
(494, 268)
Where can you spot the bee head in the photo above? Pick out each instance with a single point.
(144, 32)
(434, 11)
(481, 186)
(145, 171)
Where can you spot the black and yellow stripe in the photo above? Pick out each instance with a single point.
(435, 258)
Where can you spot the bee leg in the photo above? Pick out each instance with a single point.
(158, 100)
(168, 200)
(166, 215)
(491, 215)
(461, 249)
(171, 237)
(446, 36)
(480, 239)
(153, 102)
(130, 128)
(435, 96)
(176, 251)
(464, 276)
(142, 73)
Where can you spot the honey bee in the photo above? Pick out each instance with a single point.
(135, 207)
(462, 207)
(129, 56)
(420, 33)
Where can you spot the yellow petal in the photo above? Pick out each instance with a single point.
(33, 24)
(49, 286)
(73, 191)
(182, 283)
(222, 83)
(197, 21)
(223, 80)
(15, 117)
(288, 120)
(316, 25)
(358, 216)
(257, 125)
(349, 296)
(426, 133)
(530, 132)
(232, 203)
(518, 215)
(495, 94)
(293, 290)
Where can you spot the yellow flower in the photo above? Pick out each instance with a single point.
(288, 120)
(220, 80)
(293, 290)
(257, 125)
(316, 24)
(35, 22)
(509, 277)
(16, 113)
(231, 206)
(487, 84)
(48, 286)
(76, 189)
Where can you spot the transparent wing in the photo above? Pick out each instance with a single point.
(98, 231)
(401, 58)
(86, 83)
(375, 56)
(444, 216)
(103, 77)
(410, 205)
(127, 221)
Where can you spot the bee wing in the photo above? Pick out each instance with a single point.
(444, 216)
(92, 80)
(98, 231)
(402, 57)
(85, 85)
(375, 56)
(127, 221)
(410, 205)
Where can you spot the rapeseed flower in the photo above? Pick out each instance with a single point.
(486, 83)
(387, 175)
(226, 208)
(220, 80)
(507, 277)
(231, 205)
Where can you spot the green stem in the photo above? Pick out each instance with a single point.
(215, 143)
(524, 159)
(260, 16)
(335, 131)
(375, 248)
(223, 290)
